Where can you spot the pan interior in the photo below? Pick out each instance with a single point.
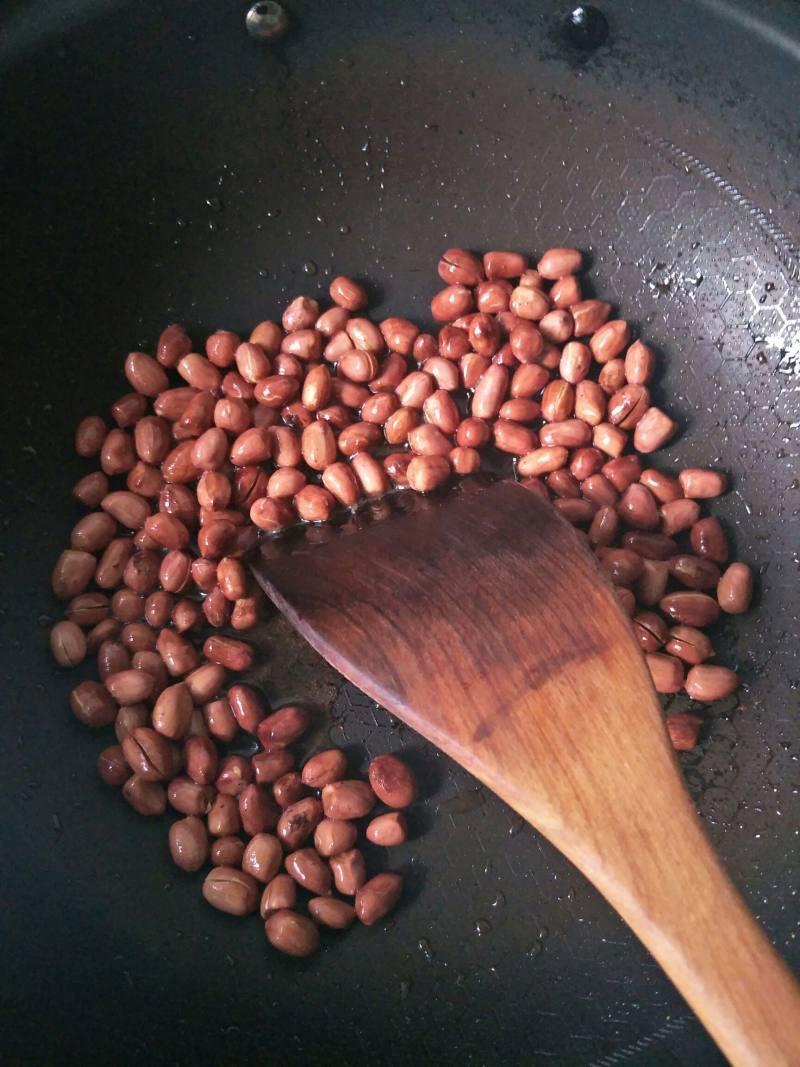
(205, 179)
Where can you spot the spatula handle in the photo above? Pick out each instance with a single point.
(677, 898)
(486, 625)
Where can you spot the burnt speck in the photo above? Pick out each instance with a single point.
(585, 27)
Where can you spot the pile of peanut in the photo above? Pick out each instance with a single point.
(322, 412)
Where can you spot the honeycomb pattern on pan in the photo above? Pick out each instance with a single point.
(500, 953)
(703, 282)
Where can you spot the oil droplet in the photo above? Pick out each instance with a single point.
(214, 203)
(585, 27)
(309, 267)
(499, 899)
(482, 927)
(516, 824)
(344, 228)
(405, 988)
(424, 946)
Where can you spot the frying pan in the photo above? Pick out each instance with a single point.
(160, 165)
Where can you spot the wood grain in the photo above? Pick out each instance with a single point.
(487, 626)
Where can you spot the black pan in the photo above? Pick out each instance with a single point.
(160, 165)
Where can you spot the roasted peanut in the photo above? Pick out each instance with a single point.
(653, 430)
(683, 730)
(376, 898)
(621, 565)
(229, 652)
(325, 767)
(699, 483)
(146, 798)
(388, 830)
(271, 765)
(650, 631)
(609, 340)
(569, 433)
(504, 264)
(693, 571)
(188, 843)
(565, 292)
(735, 589)
(450, 303)
(288, 789)
(638, 508)
(309, 871)
(370, 475)
(652, 583)
(334, 836)
(541, 461)
(172, 711)
(292, 934)
(112, 767)
(349, 799)
(200, 759)
(337, 914)
(227, 852)
(92, 705)
(464, 460)
(590, 402)
(262, 857)
(349, 871)
(426, 473)
(232, 891)
(392, 781)
(691, 609)
(640, 363)
(298, 822)
(689, 644)
(558, 262)
(247, 706)
(89, 436)
(707, 682)
(663, 488)
(707, 536)
(91, 489)
(72, 573)
(223, 816)
(529, 303)
(67, 643)
(148, 754)
(623, 471)
(679, 515)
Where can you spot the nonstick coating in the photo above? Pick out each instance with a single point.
(159, 165)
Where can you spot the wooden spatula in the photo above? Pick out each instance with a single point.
(485, 624)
